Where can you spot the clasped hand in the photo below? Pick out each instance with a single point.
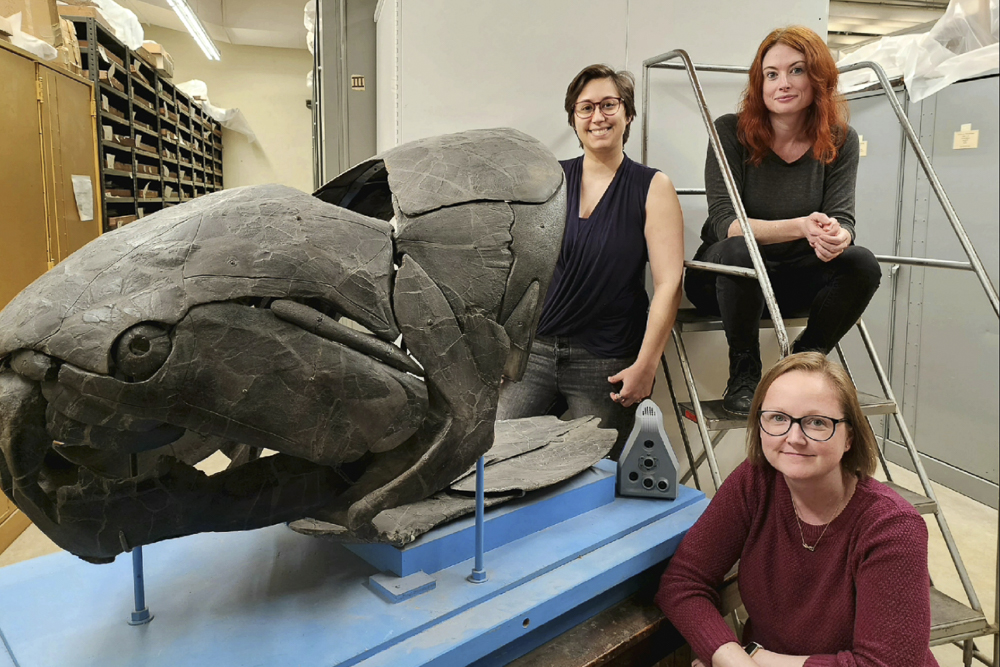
(825, 235)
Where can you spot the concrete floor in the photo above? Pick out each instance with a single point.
(973, 525)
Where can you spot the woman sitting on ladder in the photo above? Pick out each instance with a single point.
(833, 564)
(596, 350)
(794, 159)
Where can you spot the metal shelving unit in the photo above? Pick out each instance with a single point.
(157, 147)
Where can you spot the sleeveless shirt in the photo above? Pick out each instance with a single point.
(598, 294)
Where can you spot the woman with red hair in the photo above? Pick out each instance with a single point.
(794, 159)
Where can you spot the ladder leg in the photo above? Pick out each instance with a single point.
(713, 465)
(693, 468)
(918, 466)
(716, 437)
(881, 454)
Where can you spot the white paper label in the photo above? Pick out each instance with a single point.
(83, 191)
(966, 138)
(863, 149)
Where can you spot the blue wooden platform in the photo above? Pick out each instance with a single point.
(274, 597)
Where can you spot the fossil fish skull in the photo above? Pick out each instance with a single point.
(222, 324)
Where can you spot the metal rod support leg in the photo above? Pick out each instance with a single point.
(478, 575)
(693, 466)
(706, 441)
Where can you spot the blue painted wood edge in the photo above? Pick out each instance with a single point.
(397, 589)
(686, 499)
(479, 630)
(451, 544)
(6, 654)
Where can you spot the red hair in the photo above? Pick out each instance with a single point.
(826, 119)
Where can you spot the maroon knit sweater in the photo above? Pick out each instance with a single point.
(862, 598)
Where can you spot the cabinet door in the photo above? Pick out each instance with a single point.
(69, 150)
(24, 253)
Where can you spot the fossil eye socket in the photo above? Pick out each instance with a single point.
(141, 351)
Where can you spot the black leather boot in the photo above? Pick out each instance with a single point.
(744, 376)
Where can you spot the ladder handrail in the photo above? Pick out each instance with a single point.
(727, 175)
(975, 263)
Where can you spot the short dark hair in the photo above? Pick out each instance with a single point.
(861, 459)
(624, 82)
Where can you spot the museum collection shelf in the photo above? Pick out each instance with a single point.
(146, 128)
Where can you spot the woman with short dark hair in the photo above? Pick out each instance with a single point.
(833, 564)
(600, 337)
(795, 160)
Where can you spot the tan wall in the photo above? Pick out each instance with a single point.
(269, 86)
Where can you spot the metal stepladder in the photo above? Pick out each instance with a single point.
(951, 621)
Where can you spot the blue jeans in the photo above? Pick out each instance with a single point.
(565, 380)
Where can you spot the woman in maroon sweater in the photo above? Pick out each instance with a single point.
(833, 564)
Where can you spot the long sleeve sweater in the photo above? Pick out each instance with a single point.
(861, 599)
(778, 190)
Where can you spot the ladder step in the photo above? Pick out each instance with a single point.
(951, 620)
(717, 419)
(689, 319)
(923, 504)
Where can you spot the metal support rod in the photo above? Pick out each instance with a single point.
(922, 261)
(478, 575)
(140, 614)
(918, 467)
(706, 442)
(925, 163)
(720, 268)
(693, 467)
(727, 176)
(690, 191)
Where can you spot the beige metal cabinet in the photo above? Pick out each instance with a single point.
(47, 135)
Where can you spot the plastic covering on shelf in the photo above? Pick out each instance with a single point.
(30, 43)
(232, 119)
(962, 44)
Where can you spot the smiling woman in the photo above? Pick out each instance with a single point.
(833, 564)
(600, 338)
(794, 159)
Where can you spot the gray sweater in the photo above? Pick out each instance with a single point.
(778, 190)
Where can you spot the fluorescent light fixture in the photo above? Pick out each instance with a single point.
(197, 30)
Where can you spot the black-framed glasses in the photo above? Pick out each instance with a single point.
(609, 106)
(815, 427)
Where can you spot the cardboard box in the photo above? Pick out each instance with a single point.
(69, 52)
(85, 12)
(39, 18)
(161, 60)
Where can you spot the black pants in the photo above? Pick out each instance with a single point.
(833, 294)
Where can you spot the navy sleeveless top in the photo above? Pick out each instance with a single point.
(598, 294)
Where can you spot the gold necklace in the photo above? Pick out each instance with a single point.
(799, 521)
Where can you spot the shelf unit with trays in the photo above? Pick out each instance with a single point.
(157, 147)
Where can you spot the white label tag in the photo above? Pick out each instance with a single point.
(966, 138)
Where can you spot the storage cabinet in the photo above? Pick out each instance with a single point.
(49, 136)
(157, 146)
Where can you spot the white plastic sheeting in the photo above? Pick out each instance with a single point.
(30, 43)
(962, 44)
(231, 119)
(310, 22)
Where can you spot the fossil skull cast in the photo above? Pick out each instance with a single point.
(219, 324)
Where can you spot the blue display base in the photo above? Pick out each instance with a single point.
(275, 597)
(454, 542)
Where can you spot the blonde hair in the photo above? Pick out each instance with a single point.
(862, 458)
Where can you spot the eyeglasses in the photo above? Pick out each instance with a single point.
(814, 427)
(609, 107)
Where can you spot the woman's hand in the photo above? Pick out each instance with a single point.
(827, 238)
(637, 384)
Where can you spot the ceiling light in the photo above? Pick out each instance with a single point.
(197, 30)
